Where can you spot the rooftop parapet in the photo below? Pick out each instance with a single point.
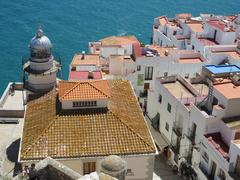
(183, 90)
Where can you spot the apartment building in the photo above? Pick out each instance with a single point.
(116, 45)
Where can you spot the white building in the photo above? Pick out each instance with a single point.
(177, 31)
(116, 45)
(87, 66)
(165, 62)
(223, 54)
(82, 122)
(171, 98)
(216, 123)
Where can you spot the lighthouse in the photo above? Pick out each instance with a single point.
(40, 68)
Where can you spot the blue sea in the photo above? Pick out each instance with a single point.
(71, 24)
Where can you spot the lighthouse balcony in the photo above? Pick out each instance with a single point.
(42, 68)
(39, 88)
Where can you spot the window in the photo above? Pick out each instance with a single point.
(160, 98)
(221, 174)
(89, 167)
(148, 72)
(205, 157)
(155, 121)
(84, 103)
(167, 126)
(169, 107)
(138, 68)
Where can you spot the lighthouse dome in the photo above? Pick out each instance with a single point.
(40, 46)
(40, 41)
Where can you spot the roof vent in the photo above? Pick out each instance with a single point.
(83, 55)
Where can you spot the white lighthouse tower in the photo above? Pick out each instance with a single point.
(40, 69)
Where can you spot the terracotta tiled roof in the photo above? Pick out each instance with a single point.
(98, 89)
(118, 129)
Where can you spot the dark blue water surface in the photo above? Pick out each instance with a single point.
(71, 24)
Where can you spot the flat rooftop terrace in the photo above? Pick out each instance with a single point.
(14, 101)
(228, 90)
(178, 90)
(233, 54)
(202, 89)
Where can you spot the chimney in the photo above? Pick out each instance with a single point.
(83, 55)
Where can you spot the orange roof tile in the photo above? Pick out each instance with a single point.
(118, 129)
(87, 90)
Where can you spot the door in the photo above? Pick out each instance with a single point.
(213, 170)
(146, 86)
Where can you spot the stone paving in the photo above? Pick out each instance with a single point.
(9, 144)
(164, 171)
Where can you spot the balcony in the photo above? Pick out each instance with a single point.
(214, 140)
